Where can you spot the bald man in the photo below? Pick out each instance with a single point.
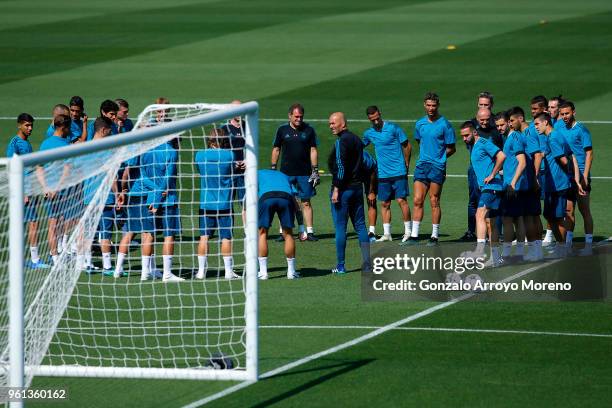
(345, 162)
(486, 128)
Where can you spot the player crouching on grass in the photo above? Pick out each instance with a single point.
(487, 160)
(276, 197)
(560, 165)
(216, 168)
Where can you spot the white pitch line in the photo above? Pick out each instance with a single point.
(442, 329)
(357, 340)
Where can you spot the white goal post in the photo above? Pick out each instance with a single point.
(19, 363)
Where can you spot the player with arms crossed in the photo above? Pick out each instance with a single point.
(215, 166)
(276, 197)
(298, 142)
(436, 138)
(393, 156)
(20, 145)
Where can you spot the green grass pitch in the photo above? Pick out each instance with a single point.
(345, 55)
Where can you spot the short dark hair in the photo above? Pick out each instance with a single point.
(77, 101)
(486, 94)
(540, 100)
(468, 124)
(558, 98)
(543, 116)
(108, 106)
(516, 111)
(297, 106)
(501, 115)
(432, 96)
(25, 117)
(372, 109)
(62, 121)
(567, 104)
(122, 103)
(102, 122)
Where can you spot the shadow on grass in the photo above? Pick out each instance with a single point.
(343, 368)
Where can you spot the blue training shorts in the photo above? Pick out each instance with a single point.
(555, 203)
(269, 206)
(301, 187)
(239, 189)
(107, 221)
(490, 199)
(170, 220)
(140, 219)
(392, 188)
(427, 173)
(29, 211)
(212, 220)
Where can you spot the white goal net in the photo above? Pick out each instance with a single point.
(138, 250)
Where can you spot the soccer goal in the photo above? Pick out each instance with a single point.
(183, 191)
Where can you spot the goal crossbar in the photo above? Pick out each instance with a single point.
(17, 365)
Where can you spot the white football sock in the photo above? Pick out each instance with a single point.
(228, 262)
(435, 230)
(202, 264)
(167, 260)
(372, 229)
(387, 229)
(119, 266)
(407, 227)
(549, 235)
(65, 242)
(106, 260)
(55, 259)
(88, 258)
(34, 254)
(146, 267)
(152, 264)
(309, 230)
(415, 229)
(291, 266)
(263, 265)
(520, 248)
(480, 245)
(588, 238)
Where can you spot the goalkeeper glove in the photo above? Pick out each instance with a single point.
(314, 178)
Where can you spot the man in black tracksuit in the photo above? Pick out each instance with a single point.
(347, 190)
